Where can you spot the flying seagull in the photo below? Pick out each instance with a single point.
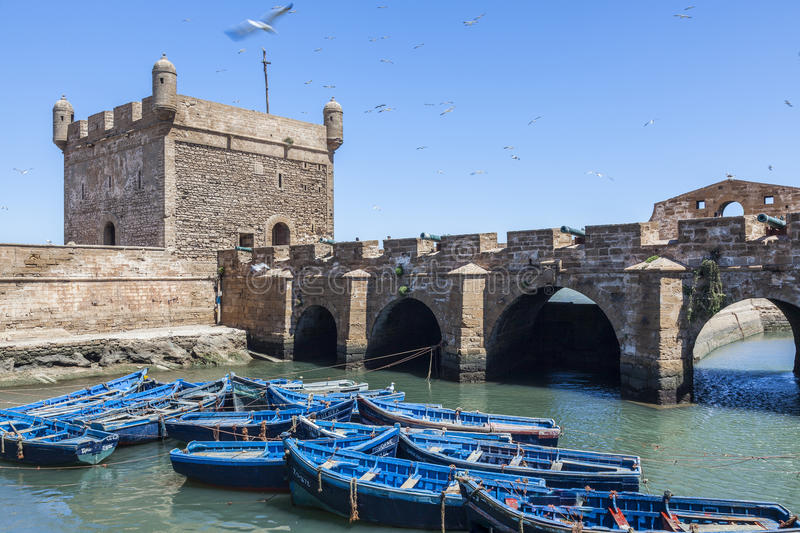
(534, 120)
(477, 172)
(376, 207)
(787, 102)
(318, 49)
(682, 16)
(329, 86)
(420, 45)
(440, 171)
(386, 109)
(509, 147)
(248, 26)
(387, 61)
(379, 106)
(448, 110)
(514, 156)
(307, 82)
(770, 168)
(649, 122)
(3, 208)
(600, 174)
(688, 8)
(382, 7)
(473, 21)
(23, 171)
(421, 147)
(241, 50)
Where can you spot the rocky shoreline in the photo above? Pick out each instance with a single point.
(52, 355)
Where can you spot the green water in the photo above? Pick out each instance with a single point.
(749, 405)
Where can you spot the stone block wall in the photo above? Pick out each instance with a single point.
(86, 289)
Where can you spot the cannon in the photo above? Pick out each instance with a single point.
(772, 222)
(326, 241)
(430, 237)
(573, 231)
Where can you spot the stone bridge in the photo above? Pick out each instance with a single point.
(487, 304)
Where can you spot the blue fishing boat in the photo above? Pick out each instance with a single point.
(560, 468)
(508, 507)
(258, 465)
(382, 490)
(316, 429)
(543, 431)
(145, 421)
(45, 442)
(249, 425)
(280, 398)
(135, 382)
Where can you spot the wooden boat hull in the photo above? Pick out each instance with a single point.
(414, 448)
(488, 510)
(389, 507)
(185, 430)
(43, 442)
(375, 414)
(267, 472)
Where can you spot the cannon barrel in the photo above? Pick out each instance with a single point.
(326, 241)
(772, 222)
(430, 237)
(573, 231)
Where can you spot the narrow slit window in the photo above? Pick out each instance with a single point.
(769, 200)
(83, 191)
(139, 180)
(280, 181)
(700, 204)
(108, 182)
(162, 80)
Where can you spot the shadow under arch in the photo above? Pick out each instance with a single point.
(402, 326)
(557, 329)
(748, 372)
(315, 336)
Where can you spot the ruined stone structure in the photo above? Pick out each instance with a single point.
(195, 176)
(711, 201)
(482, 302)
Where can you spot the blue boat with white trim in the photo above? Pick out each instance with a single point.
(45, 442)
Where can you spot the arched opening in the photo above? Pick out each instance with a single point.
(403, 326)
(746, 356)
(732, 209)
(110, 234)
(315, 336)
(280, 234)
(549, 332)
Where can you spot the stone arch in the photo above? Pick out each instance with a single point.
(109, 229)
(403, 325)
(270, 225)
(530, 334)
(736, 209)
(315, 335)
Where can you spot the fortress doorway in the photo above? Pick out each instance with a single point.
(401, 327)
(109, 234)
(280, 234)
(315, 336)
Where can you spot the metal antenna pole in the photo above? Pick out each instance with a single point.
(266, 80)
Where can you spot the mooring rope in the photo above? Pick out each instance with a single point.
(443, 496)
(353, 500)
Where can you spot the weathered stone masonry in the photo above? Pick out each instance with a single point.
(639, 280)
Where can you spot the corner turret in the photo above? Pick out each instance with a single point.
(332, 116)
(63, 115)
(165, 87)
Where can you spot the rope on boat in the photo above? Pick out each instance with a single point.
(3, 443)
(294, 424)
(245, 435)
(353, 500)
(319, 479)
(521, 524)
(263, 434)
(443, 495)
(20, 455)
(216, 432)
(162, 425)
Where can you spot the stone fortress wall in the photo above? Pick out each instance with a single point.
(637, 278)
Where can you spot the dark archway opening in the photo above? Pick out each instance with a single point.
(109, 234)
(315, 336)
(539, 336)
(403, 326)
(747, 356)
(280, 234)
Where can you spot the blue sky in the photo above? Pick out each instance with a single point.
(595, 71)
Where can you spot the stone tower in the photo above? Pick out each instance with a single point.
(194, 176)
(63, 115)
(165, 88)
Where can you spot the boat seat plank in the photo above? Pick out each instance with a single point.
(411, 482)
(50, 436)
(556, 466)
(474, 456)
(435, 449)
(369, 475)
(329, 464)
(516, 460)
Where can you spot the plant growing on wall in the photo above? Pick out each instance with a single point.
(705, 295)
(289, 141)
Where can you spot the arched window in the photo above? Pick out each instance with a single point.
(280, 234)
(732, 209)
(110, 234)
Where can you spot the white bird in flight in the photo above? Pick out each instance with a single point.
(307, 82)
(440, 171)
(682, 16)
(534, 120)
(477, 172)
(3, 208)
(787, 102)
(770, 168)
(23, 171)
(241, 50)
(329, 86)
(448, 110)
(387, 61)
(318, 49)
(509, 147)
(600, 174)
(421, 147)
(420, 45)
(649, 122)
(514, 156)
(473, 21)
(386, 109)
(376, 207)
(248, 26)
